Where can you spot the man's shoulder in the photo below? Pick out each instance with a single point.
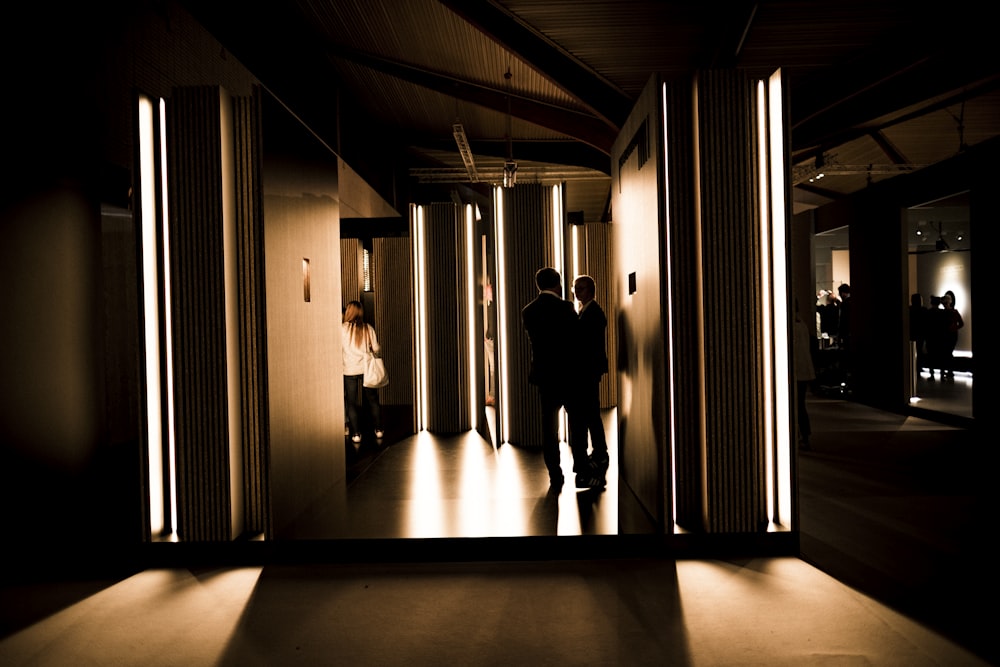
(594, 312)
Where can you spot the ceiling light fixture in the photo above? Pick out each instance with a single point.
(465, 151)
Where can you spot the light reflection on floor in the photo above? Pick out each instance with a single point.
(442, 486)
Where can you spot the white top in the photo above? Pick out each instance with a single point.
(354, 355)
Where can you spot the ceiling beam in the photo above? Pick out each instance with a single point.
(604, 99)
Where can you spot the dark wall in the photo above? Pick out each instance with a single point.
(70, 409)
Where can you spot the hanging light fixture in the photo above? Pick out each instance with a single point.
(509, 166)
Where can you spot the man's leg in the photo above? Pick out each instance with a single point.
(588, 474)
(551, 403)
(595, 427)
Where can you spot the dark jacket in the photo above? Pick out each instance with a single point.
(593, 360)
(551, 324)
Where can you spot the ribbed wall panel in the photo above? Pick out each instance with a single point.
(253, 321)
(392, 282)
(351, 271)
(732, 304)
(447, 316)
(198, 306)
(527, 234)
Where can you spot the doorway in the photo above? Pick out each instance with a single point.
(939, 246)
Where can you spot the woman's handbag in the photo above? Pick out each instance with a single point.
(375, 374)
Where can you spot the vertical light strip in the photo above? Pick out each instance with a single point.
(501, 299)
(668, 291)
(767, 324)
(470, 281)
(575, 259)
(168, 321)
(558, 245)
(420, 315)
(559, 262)
(151, 313)
(779, 229)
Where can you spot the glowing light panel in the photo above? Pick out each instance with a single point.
(470, 308)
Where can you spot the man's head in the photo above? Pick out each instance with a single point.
(584, 288)
(548, 279)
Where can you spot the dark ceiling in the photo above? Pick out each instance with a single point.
(876, 88)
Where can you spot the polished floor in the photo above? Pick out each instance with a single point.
(895, 569)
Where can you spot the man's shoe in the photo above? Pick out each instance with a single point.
(589, 481)
(600, 465)
(356, 438)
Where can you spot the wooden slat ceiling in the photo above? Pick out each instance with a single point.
(877, 88)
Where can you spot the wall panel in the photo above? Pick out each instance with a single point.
(733, 343)
(253, 322)
(643, 438)
(392, 281)
(305, 369)
(447, 318)
(527, 231)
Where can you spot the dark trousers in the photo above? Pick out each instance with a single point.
(354, 394)
(553, 398)
(585, 420)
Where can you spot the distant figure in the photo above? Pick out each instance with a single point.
(805, 374)
(356, 336)
(918, 330)
(828, 308)
(591, 365)
(934, 333)
(844, 331)
(951, 322)
(844, 322)
(552, 325)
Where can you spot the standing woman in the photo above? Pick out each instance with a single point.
(952, 323)
(355, 338)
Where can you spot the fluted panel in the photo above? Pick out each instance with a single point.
(446, 317)
(730, 231)
(599, 266)
(198, 307)
(685, 364)
(253, 320)
(527, 238)
(351, 271)
(392, 282)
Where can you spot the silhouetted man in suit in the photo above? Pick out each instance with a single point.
(591, 365)
(551, 324)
